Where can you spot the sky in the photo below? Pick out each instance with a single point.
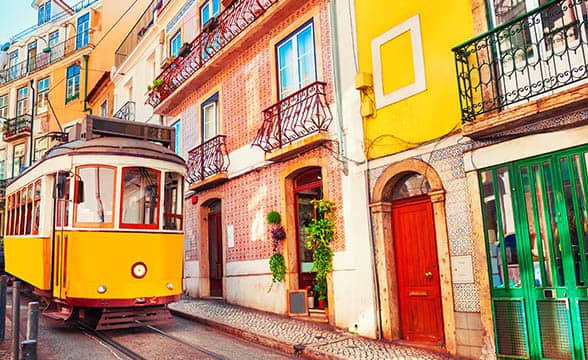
(16, 15)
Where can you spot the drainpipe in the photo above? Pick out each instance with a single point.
(86, 108)
(32, 123)
(337, 85)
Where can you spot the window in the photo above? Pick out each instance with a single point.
(72, 87)
(104, 108)
(41, 146)
(172, 203)
(42, 90)
(32, 56)
(57, 52)
(53, 38)
(140, 198)
(22, 103)
(175, 44)
(296, 61)
(44, 13)
(4, 106)
(62, 211)
(18, 159)
(210, 9)
(13, 64)
(2, 164)
(37, 207)
(209, 118)
(178, 140)
(97, 207)
(83, 34)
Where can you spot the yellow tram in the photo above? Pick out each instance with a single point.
(96, 225)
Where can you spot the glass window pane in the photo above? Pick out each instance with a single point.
(511, 245)
(140, 196)
(491, 224)
(98, 195)
(210, 123)
(577, 218)
(552, 211)
(172, 214)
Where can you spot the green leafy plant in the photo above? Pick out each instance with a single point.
(277, 267)
(273, 217)
(155, 85)
(321, 232)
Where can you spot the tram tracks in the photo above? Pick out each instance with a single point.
(120, 342)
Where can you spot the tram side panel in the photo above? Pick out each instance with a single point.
(29, 259)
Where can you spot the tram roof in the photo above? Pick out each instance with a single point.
(116, 146)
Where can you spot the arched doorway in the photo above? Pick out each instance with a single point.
(417, 270)
(408, 212)
(308, 186)
(215, 248)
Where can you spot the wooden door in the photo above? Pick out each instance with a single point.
(215, 250)
(421, 317)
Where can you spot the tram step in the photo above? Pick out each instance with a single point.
(133, 317)
(61, 315)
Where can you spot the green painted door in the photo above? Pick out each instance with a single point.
(536, 221)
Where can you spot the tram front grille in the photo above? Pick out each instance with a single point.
(511, 331)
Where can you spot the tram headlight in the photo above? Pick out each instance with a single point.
(139, 270)
(170, 286)
(101, 289)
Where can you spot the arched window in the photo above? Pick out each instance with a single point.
(409, 185)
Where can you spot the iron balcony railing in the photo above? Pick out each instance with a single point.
(126, 112)
(217, 33)
(543, 50)
(294, 117)
(84, 4)
(135, 35)
(47, 57)
(208, 159)
(16, 126)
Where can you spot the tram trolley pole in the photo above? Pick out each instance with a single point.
(15, 319)
(3, 281)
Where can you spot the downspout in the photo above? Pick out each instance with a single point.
(31, 142)
(86, 108)
(342, 148)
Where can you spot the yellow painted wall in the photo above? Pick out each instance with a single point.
(428, 114)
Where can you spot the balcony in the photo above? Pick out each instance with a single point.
(47, 57)
(136, 34)
(126, 112)
(208, 164)
(216, 35)
(517, 64)
(296, 124)
(17, 127)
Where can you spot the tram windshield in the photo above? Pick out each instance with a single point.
(139, 198)
(98, 197)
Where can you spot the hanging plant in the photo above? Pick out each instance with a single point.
(321, 232)
(276, 263)
(277, 267)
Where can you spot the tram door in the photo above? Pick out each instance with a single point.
(554, 209)
(60, 241)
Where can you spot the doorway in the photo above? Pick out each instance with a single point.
(215, 249)
(417, 270)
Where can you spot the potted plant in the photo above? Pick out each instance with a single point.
(155, 84)
(321, 232)
(310, 296)
(168, 61)
(185, 49)
(277, 264)
(210, 25)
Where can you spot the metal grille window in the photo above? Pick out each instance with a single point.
(175, 43)
(22, 105)
(4, 106)
(42, 90)
(83, 34)
(296, 61)
(72, 87)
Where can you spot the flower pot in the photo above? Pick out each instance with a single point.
(311, 302)
(321, 303)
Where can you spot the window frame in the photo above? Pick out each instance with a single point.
(24, 145)
(40, 95)
(172, 39)
(104, 108)
(4, 106)
(3, 159)
(79, 224)
(75, 83)
(124, 225)
(83, 31)
(177, 125)
(211, 100)
(21, 102)
(36, 216)
(209, 5)
(293, 36)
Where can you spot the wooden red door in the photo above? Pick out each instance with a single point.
(215, 250)
(421, 317)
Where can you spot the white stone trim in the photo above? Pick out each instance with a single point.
(414, 26)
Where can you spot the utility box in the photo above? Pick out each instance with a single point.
(364, 81)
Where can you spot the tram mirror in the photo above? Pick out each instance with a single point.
(61, 182)
(79, 198)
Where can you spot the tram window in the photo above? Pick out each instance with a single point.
(29, 209)
(140, 198)
(96, 204)
(172, 201)
(37, 207)
(62, 216)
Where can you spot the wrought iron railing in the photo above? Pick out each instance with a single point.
(47, 57)
(531, 55)
(126, 112)
(294, 117)
(135, 35)
(217, 34)
(54, 19)
(208, 159)
(16, 126)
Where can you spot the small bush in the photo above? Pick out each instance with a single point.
(273, 217)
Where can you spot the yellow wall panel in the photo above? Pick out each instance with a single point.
(397, 51)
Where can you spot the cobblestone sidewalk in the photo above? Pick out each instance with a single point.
(313, 340)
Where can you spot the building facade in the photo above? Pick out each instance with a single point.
(522, 88)
(428, 283)
(251, 86)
